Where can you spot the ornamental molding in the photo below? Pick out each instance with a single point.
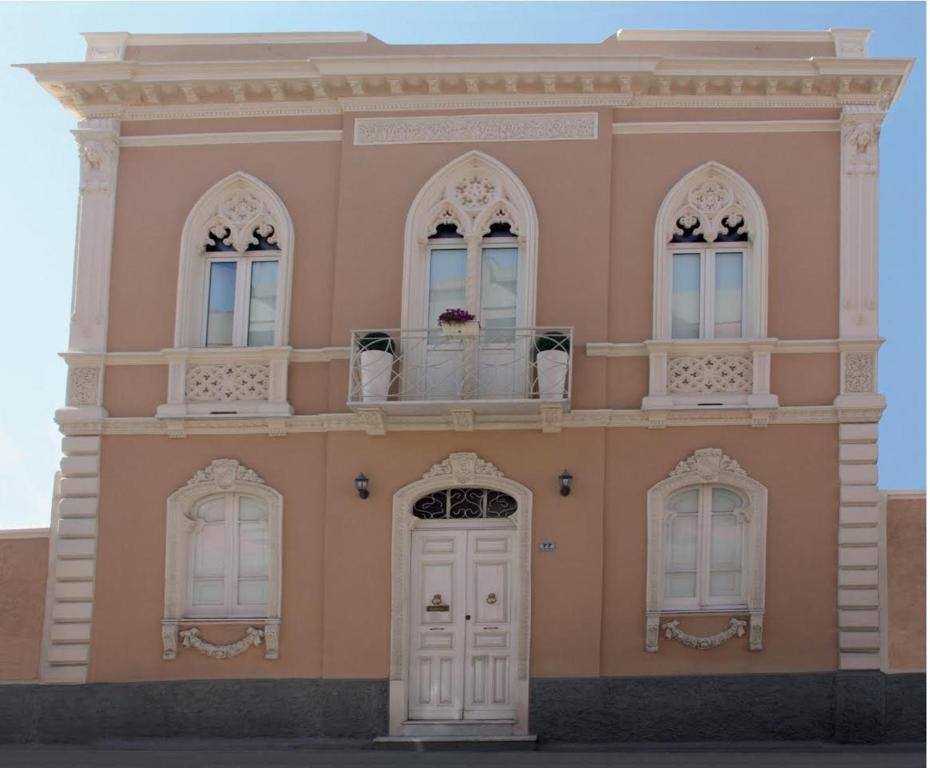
(859, 372)
(474, 128)
(228, 382)
(190, 638)
(84, 385)
(98, 149)
(463, 468)
(225, 473)
(239, 215)
(710, 373)
(708, 464)
(736, 627)
(860, 133)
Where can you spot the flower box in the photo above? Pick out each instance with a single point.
(468, 328)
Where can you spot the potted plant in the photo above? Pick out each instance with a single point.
(376, 358)
(458, 322)
(552, 351)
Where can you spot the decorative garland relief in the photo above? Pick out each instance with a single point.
(191, 638)
(736, 627)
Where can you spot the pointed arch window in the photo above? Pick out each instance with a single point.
(234, 283)
(711, 259)
(471, 244)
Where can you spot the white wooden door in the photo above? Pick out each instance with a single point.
(462, 633)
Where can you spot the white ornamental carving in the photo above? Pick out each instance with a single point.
(238, 218)
(228, 381)
(474, 128)
(710, 373)
(859, 372)
(463, 468)
(83, 386)
(737, 627)
(708, 463)
(474, 192)
(190, 638)
(98, 163)
(712, 204)
(225, 473)
(860, 143)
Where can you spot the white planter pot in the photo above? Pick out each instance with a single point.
(470, 328)
(376, 368)
(551, 371)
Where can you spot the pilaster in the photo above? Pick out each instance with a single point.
(72, 563)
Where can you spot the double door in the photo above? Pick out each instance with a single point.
(462, 624)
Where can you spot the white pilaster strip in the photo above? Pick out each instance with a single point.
(859, 533)
(73, 537)
(72, 564)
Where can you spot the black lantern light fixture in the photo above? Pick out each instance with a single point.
(565, 482)
(361, 485)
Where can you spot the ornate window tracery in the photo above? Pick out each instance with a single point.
(234, 281)
(464, 504)
(711, 258)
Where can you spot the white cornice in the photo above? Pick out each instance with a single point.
(720, 36)
(727, 126)
(778, 346)
(231, 137)
(350, 422)
(905, 495)
(259, 38)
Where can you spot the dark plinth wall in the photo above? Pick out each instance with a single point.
(844, 706)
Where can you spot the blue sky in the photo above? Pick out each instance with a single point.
(40, 168)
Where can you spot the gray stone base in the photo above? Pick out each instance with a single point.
(843, 706)
(846, 707)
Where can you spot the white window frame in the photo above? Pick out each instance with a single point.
(708, 289)
(742, 200)
(243, 293)
(227, 478)
(706, 467)
(231, 607)
(193, 274)
(702, 599)
(436, 204)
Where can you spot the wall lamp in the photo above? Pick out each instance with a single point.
(565, 482)
(361, 485)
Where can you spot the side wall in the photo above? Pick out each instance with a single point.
(23, 574)
(905, 583)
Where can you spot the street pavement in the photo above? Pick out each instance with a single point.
(246, 755)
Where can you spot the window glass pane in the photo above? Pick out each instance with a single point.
(680, 584)
(251, 508)
(253, 549)
(725, 584)
(207, 592)
(212, 510)
(728, 300)
(221, 303)
(726, 545)
(499, 288)
(263, 295)
(685, 502)
(681, 553)
(252, 592)
(725, 500)
(210, 540)
(446, 282)
(686, 295)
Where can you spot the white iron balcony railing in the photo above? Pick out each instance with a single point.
(506, 370)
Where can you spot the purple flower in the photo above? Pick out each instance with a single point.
(456, 316)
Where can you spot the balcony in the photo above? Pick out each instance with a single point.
(481, 370)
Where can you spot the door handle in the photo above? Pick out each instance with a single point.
(436, 604)
(491, 598)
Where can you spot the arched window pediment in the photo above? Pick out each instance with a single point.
(238, 223)
(706, 529)
(714, 227)
(471, 200)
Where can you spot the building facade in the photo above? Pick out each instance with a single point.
(633, 497)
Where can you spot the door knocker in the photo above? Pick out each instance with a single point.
(491, 598)
(436, 605)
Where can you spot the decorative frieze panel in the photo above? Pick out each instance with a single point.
(859, 372)
(84, 385)
(244, 382)
(192, 638)
(710, 373)
(474, 128)
(736, 628)
(228, 381)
